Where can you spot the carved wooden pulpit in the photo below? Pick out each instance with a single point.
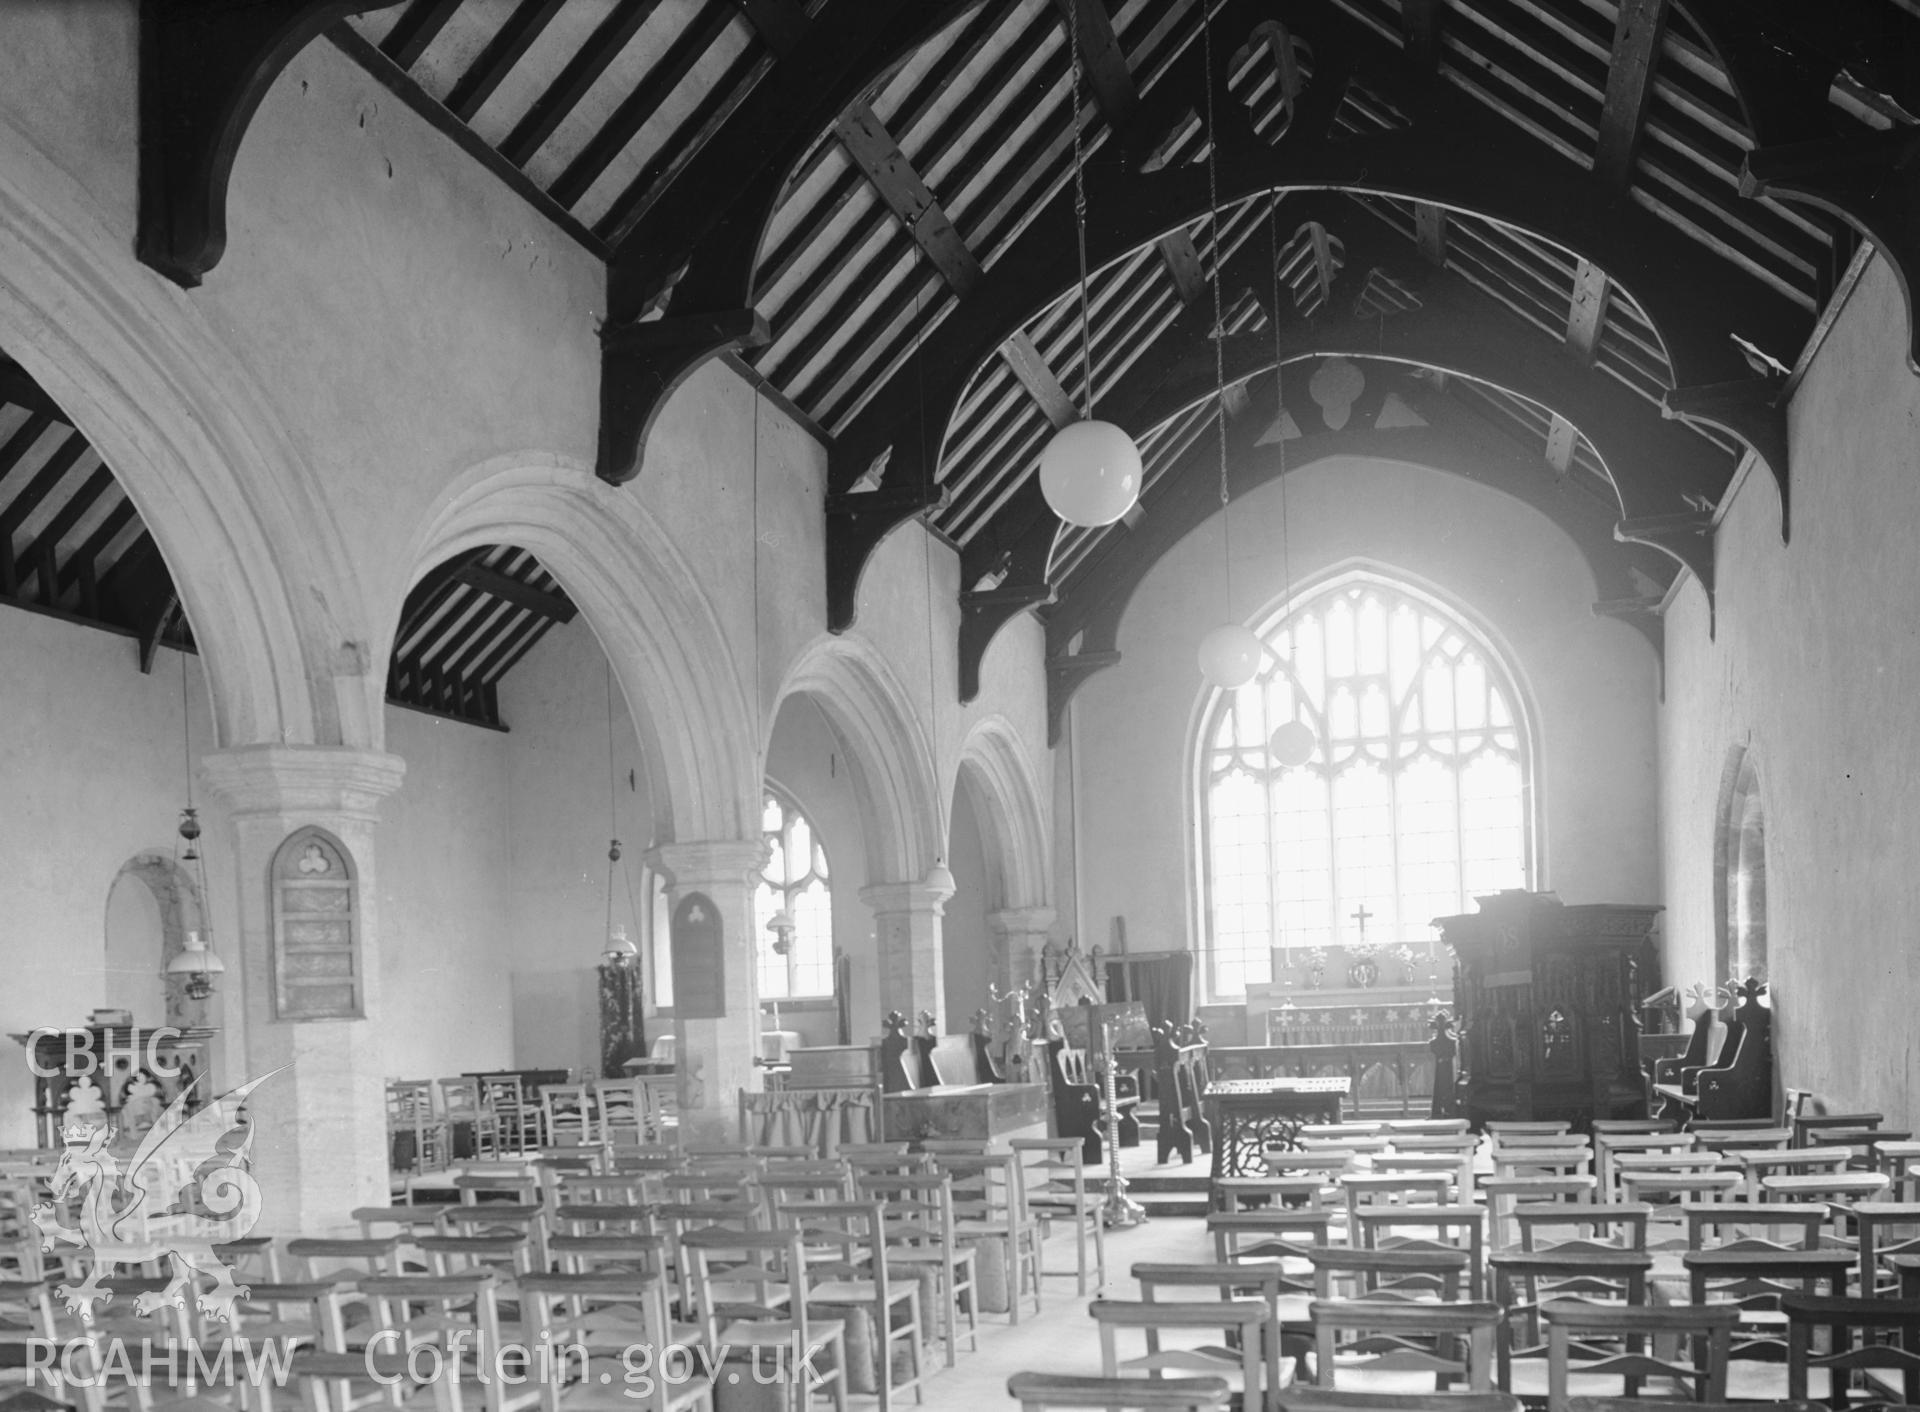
(1549, 999)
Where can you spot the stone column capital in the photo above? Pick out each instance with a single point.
(1021, 921)
(304, 779)
(897, 899)
(702, 865)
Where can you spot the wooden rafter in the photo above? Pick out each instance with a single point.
(554, 607)
(871, 148)
(1452, 153)
(418, 27)
(614, 32)
(1637, 35)
(705, 249)
(508, 46)
(1027, 364)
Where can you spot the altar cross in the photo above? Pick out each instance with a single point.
(1361, 917)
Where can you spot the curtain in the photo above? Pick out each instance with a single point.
(1164, 984)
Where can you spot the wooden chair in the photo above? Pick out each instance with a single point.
(1254, 1193)
(465, 1112)
(771, 1263)
(1302, 1398)
(566, 1116)
(609, 1252)
(516, 1117)
(1286, 1299)
(1242, 1323)
(1619, 1223)
(597, 1321)
(1524, 1282)
(844, 1244)
(1267, 1234)
(990, 1209)
(1397, 1188)
(1505, 1193)
(1056, 1185)
(418, 1139)
(1757, 1164)
(920, 1234)
(1572, 1327)
(408, 1310)
(1851, 1323)
(1762, 1280)
(1429, 1271)
(1404, 1227)
(1607, 1146)
(1883, 1229)
(1400, 1344)
(1042, 1392)
(620, 1112)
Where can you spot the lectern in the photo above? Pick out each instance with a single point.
(1549, 1000)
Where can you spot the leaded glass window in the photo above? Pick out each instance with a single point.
(795, 877)
(1416, 800)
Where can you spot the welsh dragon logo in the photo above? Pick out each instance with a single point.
(186, 1190)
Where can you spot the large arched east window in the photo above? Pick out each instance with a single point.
(795, 877)
(1416, 800)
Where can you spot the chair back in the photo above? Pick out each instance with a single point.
(1574, 1327)
(1243, 1322)
(1453, 1342)
(598, 1319)
(1041, 1392)
(1855, 1330)
(1267, 1233)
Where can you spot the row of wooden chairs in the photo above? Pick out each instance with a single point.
(493, 1117)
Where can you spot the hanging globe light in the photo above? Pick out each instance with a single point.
(1292, 744)
(1090, 473)
(1230, 656)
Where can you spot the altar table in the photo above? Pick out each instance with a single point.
(1250, 1115)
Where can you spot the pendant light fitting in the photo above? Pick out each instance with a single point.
(1090, 470)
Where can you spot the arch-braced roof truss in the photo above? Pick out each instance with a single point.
(870, 202)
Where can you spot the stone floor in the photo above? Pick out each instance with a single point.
(1060, 1338)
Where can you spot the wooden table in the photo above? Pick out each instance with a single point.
(1250, 1115)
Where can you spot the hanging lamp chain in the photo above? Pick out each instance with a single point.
(1219, 329)
(1080, 213)
(1279, 398)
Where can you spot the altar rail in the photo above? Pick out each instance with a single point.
(1390, 1079)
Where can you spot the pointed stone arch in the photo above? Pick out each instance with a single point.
(998, 775)
(260, 566)
(642, 601)
(888, 753)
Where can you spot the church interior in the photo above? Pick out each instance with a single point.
(1145, 704)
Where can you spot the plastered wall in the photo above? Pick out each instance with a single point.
(1591, 682)
(1813, 665)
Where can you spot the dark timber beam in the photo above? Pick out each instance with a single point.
(1067, 672)
(701, 239)
(204, 67)
(642, 363)
(1420, 26)
(508, 46)
(551, 606)
(416, 29)
(1752, 410)
(1043, 385)
(1637, 34)
(871, 148)
(1454, 441)
(1454, 154)
(1102, 59)
(1872, 183)
(983, 612)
